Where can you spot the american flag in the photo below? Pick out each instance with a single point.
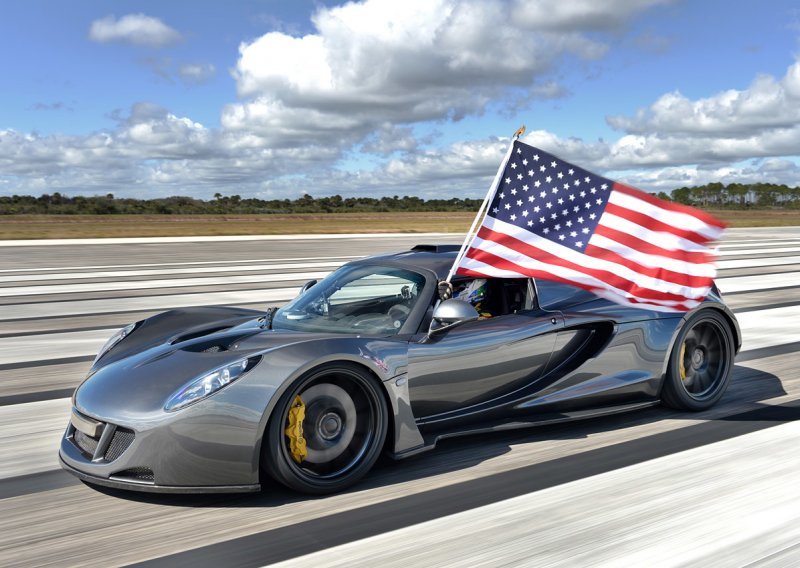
(552, 220)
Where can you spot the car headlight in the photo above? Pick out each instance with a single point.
(210, 383)
(114, 339)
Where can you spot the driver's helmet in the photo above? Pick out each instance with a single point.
(474, 292)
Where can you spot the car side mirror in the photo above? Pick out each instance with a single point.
(451, 313)
(306, 286)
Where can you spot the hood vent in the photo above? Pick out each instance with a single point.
(199, 333)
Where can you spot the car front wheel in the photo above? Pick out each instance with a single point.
(327, 430)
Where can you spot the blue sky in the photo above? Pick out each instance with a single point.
(272, 98)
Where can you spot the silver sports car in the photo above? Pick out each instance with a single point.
(371, 360)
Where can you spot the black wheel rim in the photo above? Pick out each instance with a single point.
(341, 419)
(704, 359)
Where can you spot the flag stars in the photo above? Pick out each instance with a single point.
(514, 166)
(531, 198)
(508, 206)
(519, 176)
(566, 186)
(571, 197)
(548, 179)
(580, 219)
(561, 237)
(514, 191)
(557, 227)
(549, 205)
(542, 219)
(573, 234)
(502, 195)
(495, 210)
(560, 201)
(543, 194)
(519, 202)
(524, 188)
(585, 230)
(577, 182)
(530, 223)
(542, 168)
(530, 173)
(508, 180)
(593, 190)
(545, 230)
(554, 216)
(565, 212)
(525, 162)
(588, 205)
(568, 223)
(578, 244)
(604, 186)
(598, 201)
(537, 183)
(592, 216)
(571, 172)
(525, 213)
(586, 179)
(576, 208)
(513, 217)
(536, 209)
(560, 175)
(582, 194)
(553, 164)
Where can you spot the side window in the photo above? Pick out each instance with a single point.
(494, 297)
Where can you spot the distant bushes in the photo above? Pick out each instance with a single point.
(714, 195)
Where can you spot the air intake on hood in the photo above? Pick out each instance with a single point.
(199, 333)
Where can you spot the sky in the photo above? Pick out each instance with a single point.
(277, 99)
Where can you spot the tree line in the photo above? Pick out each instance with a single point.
(712, 195)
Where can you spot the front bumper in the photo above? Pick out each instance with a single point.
(116, 483)
(187, 452)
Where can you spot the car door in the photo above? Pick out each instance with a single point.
(471, 367)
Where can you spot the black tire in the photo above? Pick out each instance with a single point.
(700, 363)
(345, 428)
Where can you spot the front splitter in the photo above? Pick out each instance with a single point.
(152, 488)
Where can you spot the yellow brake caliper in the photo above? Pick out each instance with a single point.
(297, 443)
(682, 367)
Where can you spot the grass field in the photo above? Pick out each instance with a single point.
(95, 226)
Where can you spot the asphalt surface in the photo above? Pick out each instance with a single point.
(656, 487)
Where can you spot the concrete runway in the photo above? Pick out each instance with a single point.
(719, 488)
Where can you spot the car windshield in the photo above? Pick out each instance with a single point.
(363, 299)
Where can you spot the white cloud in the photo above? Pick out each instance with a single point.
(196, 72)
(767, 104)
(380, 61)
(135, 29)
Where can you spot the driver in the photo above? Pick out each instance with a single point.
(475, 292)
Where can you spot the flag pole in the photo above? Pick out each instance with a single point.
(484, 206)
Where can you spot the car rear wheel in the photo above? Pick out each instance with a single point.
(327, 430)
(700, 364)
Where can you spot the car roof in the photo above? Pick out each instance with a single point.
(434, 258)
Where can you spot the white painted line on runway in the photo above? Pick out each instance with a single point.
(266, 296)
(217, 239)
(758, 282)
(153, 284)
(30, 435)
(757, 262)
(762, 251)
(197, 263)
(52, 346)
(772, 326)
(196, 270)
(730, 503)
